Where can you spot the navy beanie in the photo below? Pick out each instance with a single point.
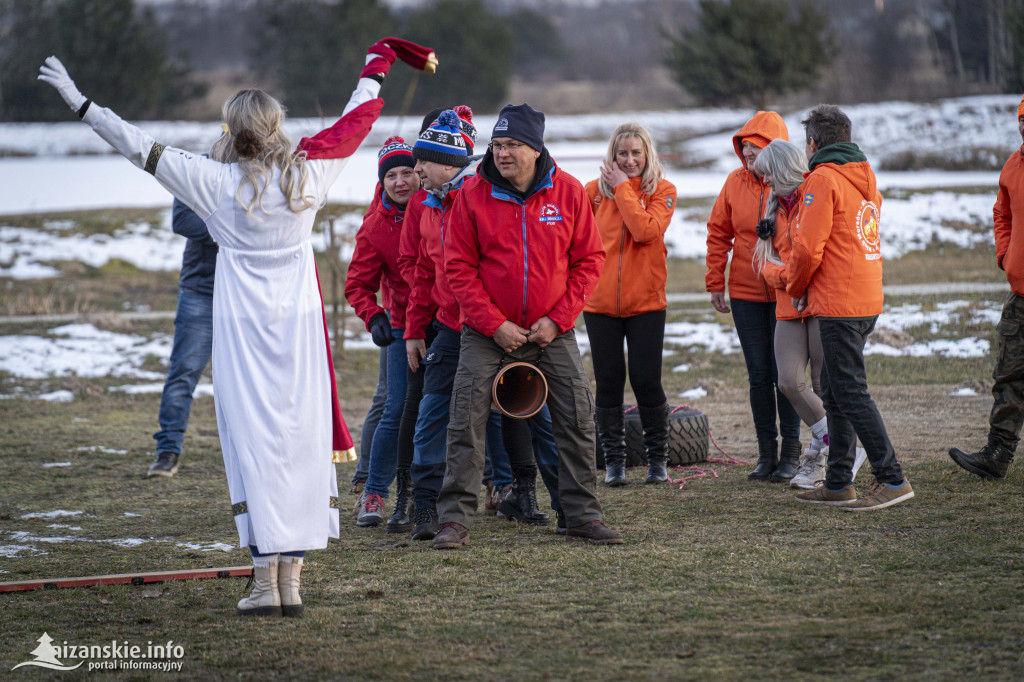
(395, 152)
(430, 118)
(521, 122)
(442, 142)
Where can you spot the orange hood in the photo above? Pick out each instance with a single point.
(767, 125)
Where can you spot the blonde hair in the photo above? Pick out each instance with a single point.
(786, 163)
(653, 171)
(256, 142)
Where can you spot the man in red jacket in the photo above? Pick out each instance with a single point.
(1007, 414)
(835, 270)
(522, 253)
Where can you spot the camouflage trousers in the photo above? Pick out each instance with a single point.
(1007, 415)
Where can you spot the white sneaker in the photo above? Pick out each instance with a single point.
(862, 456)
(811, 471)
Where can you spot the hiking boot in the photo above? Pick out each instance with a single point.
(611, 431)
(427, 524)
(594, 532)
(862, 456)
(451, 536)
(789, 459)
(265, 598)
(372, 513)
(165, 464)
(991, 462)
(357, 487)
(767, 459)
(654, 421)
(822, 495)
(811, 471)
(560, 524)
(401, 520)
(882, 495)
(520, 504)
(495, 494)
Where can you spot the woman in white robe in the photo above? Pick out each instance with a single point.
(271, 367)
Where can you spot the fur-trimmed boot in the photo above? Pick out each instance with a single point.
(654, 421)
(265, 598)
(289, 572)
(767, 459)
(611, 430)
(789, 460)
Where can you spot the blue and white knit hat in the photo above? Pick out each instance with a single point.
(442, 142)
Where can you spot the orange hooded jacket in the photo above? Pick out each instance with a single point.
(775, 275)
(632, 228)
(740, 205)
(1007, 212)
(836, 256)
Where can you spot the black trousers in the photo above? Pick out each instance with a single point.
(644, 336)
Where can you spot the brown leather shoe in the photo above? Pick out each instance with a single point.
(452, 536)
(595, 532)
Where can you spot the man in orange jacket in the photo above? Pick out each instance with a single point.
(1007, 414)
(836, 263)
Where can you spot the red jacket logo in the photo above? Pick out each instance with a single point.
(549, 213)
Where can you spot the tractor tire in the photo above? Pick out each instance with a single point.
(688, 438)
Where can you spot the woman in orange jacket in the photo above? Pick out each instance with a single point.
(633, 206)
(797, 339)
(732, 228)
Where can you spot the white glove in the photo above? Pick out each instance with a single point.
(54, 73)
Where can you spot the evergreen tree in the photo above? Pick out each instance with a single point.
(315, 50)
(474, 50)
(116, 55)
(743, 51)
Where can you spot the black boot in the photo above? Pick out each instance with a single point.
(654, 421)
(990, 462)
(789, 460)
(400, 519)
(611, 429)
(521, 503)
(767, 459)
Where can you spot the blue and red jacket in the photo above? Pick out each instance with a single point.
(431, 297)
(520, 257)
(374, 264)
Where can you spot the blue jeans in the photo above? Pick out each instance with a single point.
(384, 450)
(755, 325)
(849, 408)
(372, 419)
(496, 464)
(193, 339)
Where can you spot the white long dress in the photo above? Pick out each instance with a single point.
(270, 369)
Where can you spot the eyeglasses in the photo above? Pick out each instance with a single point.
(511, 147)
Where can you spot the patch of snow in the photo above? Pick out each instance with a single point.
(57, 397)
(694, 393)
(965, 391)
(50, 515)
(56, 464)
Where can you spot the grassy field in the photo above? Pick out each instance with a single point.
(719, 579)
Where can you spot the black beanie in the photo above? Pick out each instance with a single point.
(521, 122)
(430, 118)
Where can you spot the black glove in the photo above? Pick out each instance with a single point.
(380, 330)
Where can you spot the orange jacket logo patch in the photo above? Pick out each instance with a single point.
(867, 230)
